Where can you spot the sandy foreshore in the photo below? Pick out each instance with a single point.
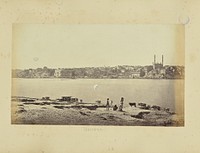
(62, 114)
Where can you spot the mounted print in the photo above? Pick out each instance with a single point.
(106, 74)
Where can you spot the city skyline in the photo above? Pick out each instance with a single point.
(76, 46)
(155, 60)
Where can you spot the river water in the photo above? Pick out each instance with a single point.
(166, 93)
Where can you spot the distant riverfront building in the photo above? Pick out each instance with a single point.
(138, 73)
(147, 69)
(158, 65)
(162, 71)
(158, 68)
(57, 73)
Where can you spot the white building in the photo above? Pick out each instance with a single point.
(57, 73)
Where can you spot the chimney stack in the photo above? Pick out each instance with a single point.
(162, 59)
(154, 59)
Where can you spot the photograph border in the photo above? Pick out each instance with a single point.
(74, 139)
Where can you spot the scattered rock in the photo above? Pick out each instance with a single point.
(142, 104)
(83, 113)
(155, 107)
(20, 105)
(76, 107)
(59, 107)
(33, 103)
(91, 107)
(140, 115)
(147, 107)
(21, 111)
(27, 100)
(103, 118)
(111, 117)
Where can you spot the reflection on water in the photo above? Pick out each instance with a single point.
(166, 93)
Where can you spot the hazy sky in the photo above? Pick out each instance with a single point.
(60, 46)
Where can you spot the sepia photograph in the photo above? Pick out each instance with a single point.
(98, 74)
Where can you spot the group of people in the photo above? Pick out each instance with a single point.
(109, 104)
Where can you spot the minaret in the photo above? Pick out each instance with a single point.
(154, 63)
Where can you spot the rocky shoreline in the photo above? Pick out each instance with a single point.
(26, 110)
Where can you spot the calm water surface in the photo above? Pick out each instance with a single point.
(166, 93)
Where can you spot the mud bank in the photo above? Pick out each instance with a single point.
(58, 113)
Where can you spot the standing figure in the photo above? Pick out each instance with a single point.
(107, 104)
(111, 103)
(121, 104)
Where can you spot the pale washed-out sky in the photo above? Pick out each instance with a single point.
(68, 46)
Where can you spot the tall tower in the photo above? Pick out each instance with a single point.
(154, 62)
(162, 60)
